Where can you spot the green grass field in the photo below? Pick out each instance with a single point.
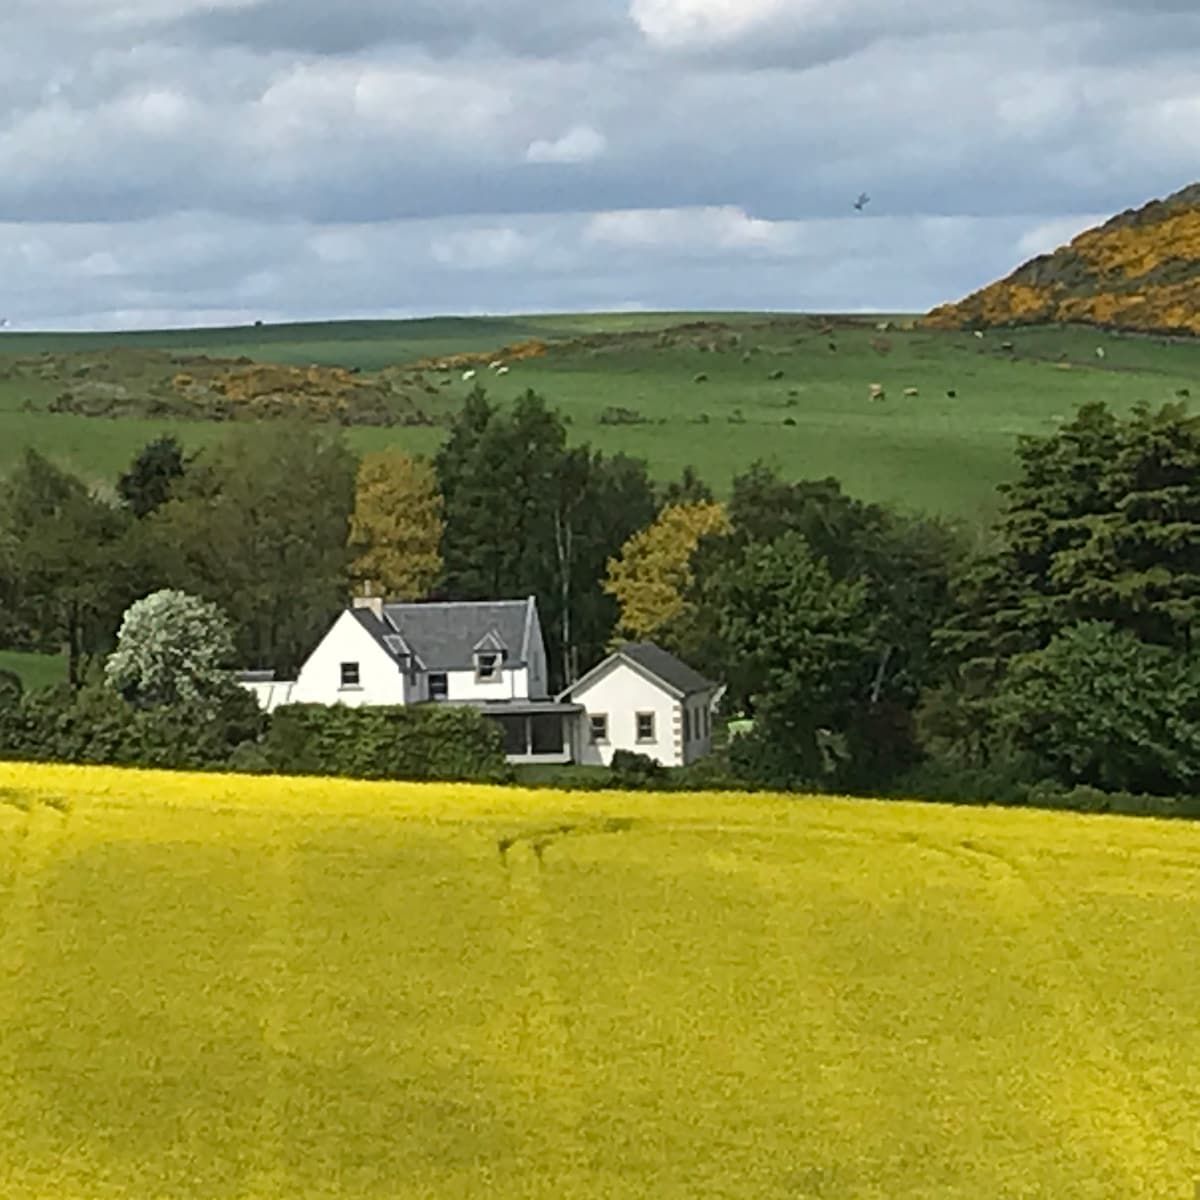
(932, 452)
(297, 989)
(35, 670)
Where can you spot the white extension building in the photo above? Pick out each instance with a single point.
(643, 699)
(492, 655)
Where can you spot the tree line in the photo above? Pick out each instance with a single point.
(875, 650)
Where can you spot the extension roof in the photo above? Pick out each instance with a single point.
(445, 636)
(652, 661)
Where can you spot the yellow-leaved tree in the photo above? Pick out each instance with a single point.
(396, 530)
(649, 576)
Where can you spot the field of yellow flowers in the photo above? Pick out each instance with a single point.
(272, 989)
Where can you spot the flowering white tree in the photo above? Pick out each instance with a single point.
(172, 647)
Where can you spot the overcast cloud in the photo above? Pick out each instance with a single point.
(205, 161)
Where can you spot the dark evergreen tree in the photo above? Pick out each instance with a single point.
(147, 484)
(689, 488)
(526, 514)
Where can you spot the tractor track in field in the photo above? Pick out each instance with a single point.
(1129, 1099)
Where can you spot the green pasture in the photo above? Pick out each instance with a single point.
(322, 990)
(794, 400)
(35, 670)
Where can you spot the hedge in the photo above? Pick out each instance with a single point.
(97, 726)
(435, 743)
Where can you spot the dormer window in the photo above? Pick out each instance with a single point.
(487, 666)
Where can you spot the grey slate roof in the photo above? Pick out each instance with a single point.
(665, 666)
(444, 636)
(654, 661)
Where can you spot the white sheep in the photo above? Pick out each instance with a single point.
(1099, 351)
(979, 333)
(467, 376)
(911, 391)
(501, 370)
(495, 366)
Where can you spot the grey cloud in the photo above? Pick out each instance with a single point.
(464, 141)
(196, 267)
(443, 26)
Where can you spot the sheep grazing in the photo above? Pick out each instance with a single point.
(883, 326)
(495, 366)
(1006, 346)
(911, 391)
(1099, 351)
(876, 392)
(467, 376)
(979, 333)
(501, 370)
(701, 378)
(775, 375)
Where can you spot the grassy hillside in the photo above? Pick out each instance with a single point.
(1138, 271)
(222, 986)
(716, 392)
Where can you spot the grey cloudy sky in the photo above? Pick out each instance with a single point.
(168, 162)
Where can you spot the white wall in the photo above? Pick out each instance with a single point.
(621, 693)
(461, 686)
(381, 680)
(270, 693)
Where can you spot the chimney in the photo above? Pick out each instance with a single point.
(374, 603)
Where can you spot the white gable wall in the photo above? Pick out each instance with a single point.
(621, 692)
(380, 679)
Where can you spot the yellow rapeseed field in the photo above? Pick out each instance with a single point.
(269, 989)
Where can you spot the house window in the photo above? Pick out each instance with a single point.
(350, 675)
(487, 667)
(645, 727)
(438, 686)
(599, 726)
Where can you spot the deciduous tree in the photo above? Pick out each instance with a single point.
(259, 525)
(396, 530)
(1098, 706)
(172, 648)
(66, 575)
(652, 573)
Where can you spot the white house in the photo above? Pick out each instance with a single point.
(462, 653)
(486, 654)
(491, 655)
(643, 699)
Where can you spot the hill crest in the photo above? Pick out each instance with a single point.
(1138, 271)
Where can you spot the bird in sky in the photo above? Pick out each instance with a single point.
(862, 201)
